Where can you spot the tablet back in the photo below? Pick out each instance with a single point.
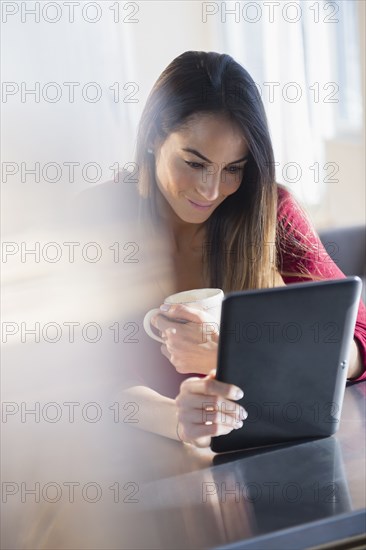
(288, 349)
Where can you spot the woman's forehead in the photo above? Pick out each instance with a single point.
(205, 118)
(209, 129)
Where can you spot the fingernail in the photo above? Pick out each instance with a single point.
(239, 394)
(244, 414)
(165, 307)
(238, 425)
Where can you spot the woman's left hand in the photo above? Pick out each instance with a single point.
(191, 338)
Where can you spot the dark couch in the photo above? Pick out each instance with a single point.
(347, 247)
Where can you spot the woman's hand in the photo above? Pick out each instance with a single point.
(191, 345)
(355, 368)
(206, 408)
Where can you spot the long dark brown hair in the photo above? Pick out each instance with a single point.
(240, 246)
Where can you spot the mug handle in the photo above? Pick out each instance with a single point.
(147, 325)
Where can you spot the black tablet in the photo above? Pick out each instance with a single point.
(288, 348)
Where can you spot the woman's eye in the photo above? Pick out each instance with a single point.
(230, 169)
(194, 164)
(234, 169)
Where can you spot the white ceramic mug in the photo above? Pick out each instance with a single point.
(205, 299)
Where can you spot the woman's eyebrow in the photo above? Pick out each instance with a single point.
(198, 154)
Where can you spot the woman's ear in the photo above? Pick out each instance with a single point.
(154, 146)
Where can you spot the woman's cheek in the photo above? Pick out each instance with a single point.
(229, 187)
(174, 180)
(183, 181)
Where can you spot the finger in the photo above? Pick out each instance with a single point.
(170, 343)
(199, 442)
(162, 323)
(202, 442)
(215, 415)
(204, 405)
(211, 386)
(180, 311)
(199, 332)
(167, 335)
(195, 431)
(165, 351)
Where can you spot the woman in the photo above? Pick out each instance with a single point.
(206, 176)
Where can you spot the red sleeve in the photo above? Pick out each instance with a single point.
(301, 250)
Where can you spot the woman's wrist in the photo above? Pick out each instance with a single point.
(355, 368)
(156, 413)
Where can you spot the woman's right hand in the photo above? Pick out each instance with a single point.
(206, 408)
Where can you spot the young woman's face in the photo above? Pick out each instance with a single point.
(200, 165)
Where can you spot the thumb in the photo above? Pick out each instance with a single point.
(183, 313)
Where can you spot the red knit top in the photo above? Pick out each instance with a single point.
(315, 260)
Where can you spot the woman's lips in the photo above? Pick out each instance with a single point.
(200, 206)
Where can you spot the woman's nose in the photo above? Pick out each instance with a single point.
(209, 187)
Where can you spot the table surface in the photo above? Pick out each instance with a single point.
(159, 493)
(265, 499)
